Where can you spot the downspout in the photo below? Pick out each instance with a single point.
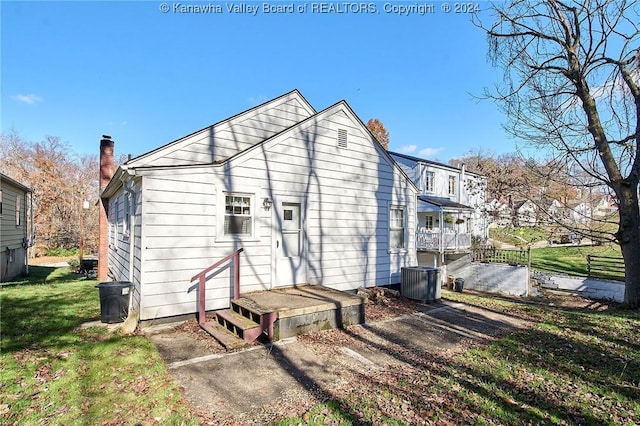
(132, 227)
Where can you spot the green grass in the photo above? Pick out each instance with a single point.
(519, 236)
(53, 372)
(570, 260)
(575, 366)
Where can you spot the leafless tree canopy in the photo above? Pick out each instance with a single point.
(61, 182)
(571, 89)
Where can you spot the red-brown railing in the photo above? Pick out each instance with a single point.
(202, 279)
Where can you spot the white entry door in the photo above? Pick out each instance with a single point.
(290, 264)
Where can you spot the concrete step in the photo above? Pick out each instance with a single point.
(243, 327)
(224, 336)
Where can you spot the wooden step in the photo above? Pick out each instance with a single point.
(248, 308)
(224, 336)
(245, 328)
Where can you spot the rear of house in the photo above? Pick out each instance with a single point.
(309, 196)
(14, 232)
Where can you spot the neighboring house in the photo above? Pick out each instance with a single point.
(451, 208)
(15, 232)
(581, 212)
(605, 207)
(525, 213)
(499, 213)
(311, 197)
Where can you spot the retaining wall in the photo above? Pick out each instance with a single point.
(590, 288)
(491, 277)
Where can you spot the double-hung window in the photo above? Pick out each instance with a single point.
(396, 228)
(452, 185)
(238, 211)
(429, 178)
(428, 222)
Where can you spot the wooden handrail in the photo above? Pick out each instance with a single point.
(201, 277)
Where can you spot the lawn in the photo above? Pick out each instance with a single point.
(571, 260)
(578, 364)
(54, 372)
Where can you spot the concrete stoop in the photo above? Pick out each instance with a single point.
(284, 313)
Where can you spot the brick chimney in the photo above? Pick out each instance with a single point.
(107, 168)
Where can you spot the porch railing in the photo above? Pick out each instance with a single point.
(202, 280)
(433, 240)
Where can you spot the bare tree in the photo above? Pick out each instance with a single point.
(570, 88)
(60, 183)
(378, 130)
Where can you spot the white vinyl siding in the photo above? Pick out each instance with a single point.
(344, 203)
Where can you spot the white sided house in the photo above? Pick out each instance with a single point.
(311, 198)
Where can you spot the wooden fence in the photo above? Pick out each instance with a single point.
(509, 256)
(605, 267)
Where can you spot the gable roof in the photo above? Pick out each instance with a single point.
(238, 132)
(15, 183)
(246, 153)
(339, 106)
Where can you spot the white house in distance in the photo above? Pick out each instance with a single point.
(16, 232)
(311, 197)
(450, 208)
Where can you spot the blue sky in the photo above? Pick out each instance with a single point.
(78, 70)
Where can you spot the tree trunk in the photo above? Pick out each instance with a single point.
(629, 239)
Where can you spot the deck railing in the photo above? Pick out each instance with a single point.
(202, 280)
(433, 240)
(509, 256)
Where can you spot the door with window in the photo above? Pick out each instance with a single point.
(290, 264)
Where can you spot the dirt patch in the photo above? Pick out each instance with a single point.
(46, 260)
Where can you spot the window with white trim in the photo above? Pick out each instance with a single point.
(0, 202)
(429, 178)
(428, 222)
(452, 185)
(396, 228)
(238, 214)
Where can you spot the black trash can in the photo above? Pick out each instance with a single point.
(114, 301)
(458, 284)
